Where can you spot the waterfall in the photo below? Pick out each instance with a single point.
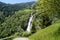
(30, 23)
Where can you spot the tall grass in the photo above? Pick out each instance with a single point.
(50, 33)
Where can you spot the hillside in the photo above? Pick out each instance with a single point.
(17, 23)
(14, 18)
(10, 9)
(34, 20)
(50, 33)
(15, 7)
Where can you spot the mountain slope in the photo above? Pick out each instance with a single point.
(10, 9)
(50, 33)
(15, 7)
(16, 23)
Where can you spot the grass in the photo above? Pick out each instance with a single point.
(50, 33)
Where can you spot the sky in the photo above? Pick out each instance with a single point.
(16, 1)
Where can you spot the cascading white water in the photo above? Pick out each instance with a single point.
(30, 23)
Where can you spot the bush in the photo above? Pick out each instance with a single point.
(26, 34)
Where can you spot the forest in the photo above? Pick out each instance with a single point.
(38, 20)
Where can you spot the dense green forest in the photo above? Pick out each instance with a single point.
(10, 9)
(43, 14)
(14, 18)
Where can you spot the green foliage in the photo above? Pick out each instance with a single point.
(47, 10)
(10, 9)
(12, 20)
(57, 21)
(26, 34)
(15, 7)
(16, 23)
(48, 6)
(1, 17)
(50, 33)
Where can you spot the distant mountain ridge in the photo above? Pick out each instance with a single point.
(15, 7)
(10, 9)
